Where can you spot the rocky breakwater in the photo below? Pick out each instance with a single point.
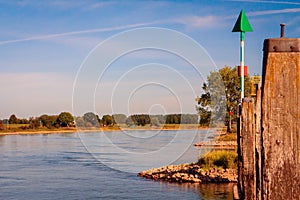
(217, 144)
(190, 173)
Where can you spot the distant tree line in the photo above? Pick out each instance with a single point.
(90, 119)
(64, 119)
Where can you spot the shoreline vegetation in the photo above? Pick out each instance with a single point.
(217, 166)
(65, 122)
(17, 130)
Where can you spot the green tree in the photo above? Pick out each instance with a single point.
(221, 95)
(79, 121)
(129, 121)
(119, 118)
(92, 119)
(107, 120)
(203, 107)
(23, 121)
(13, 119)
(154, 121)
(2, 127)
(34, 122)
(173, 119)
(48, 121)
(161, 118)
(65, 119)
(189, 119)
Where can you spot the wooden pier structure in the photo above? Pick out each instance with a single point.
(269, 127)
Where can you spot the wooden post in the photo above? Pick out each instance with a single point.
(280, 112)
(269, 139)
(258, 143)
(240, 186)
(248, 149)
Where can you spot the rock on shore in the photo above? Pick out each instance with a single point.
(190, 173)
(217, 144)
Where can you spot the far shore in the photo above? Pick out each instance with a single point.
(103, 129)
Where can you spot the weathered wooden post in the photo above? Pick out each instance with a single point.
(248, 150)
(280, 119)
(269, 139)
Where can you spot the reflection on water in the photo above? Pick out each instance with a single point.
(216, 191)
(208, 191)
(57, 166)
(132, 153)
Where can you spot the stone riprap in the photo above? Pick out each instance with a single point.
(190, 173)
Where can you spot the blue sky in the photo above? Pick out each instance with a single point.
(43, 45)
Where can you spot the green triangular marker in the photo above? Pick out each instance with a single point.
(242, 24)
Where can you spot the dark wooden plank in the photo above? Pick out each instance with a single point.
(258, 142)
(248, 149)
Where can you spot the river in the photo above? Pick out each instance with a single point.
(84, 166)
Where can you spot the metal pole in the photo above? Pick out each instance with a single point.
(242, 64)
(282, 30)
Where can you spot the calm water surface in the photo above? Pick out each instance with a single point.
(58, 166)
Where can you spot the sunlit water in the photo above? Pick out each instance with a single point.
(60, 166)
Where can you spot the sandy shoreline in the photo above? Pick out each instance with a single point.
(33, 132)
(37, 132)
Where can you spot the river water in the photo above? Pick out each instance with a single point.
(88, 166)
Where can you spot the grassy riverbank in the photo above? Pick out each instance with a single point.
(20, 129)
(218, 159)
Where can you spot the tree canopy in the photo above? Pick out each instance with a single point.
(119, 118)
(221, 94)
(65, 119)
(107, 120)
(92, 119)
(48, 121)
(13, 119)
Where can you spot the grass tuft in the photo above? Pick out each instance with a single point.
(228, 137)
(215, 159)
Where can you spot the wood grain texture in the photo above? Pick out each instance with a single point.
(280, 112)
(248, 150)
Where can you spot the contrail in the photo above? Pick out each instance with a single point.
(42, 37)
(271, 2)
(271, 12)
(267, 12)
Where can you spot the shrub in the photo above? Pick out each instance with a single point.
(228, 137)
(2, 126)
(224, 159)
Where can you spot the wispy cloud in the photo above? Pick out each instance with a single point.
(199, 21)
(60, 4)
(211, 21)
(264, 12)
(193, 21)
(272, 12)
(98, 5)
(189, 21)
(116, 28)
